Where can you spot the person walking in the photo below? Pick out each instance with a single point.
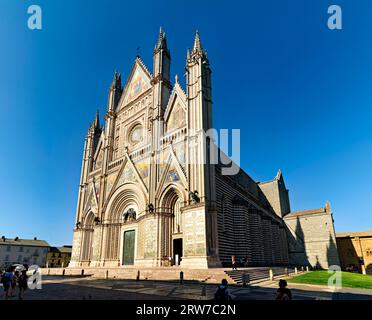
(6, 280)
(233, 263)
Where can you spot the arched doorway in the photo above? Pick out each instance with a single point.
(123, 209)
(88, 227)
(171, 205)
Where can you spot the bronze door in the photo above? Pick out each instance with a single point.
(128, 251)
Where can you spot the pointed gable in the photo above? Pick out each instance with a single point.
(175, 113)
(92, 201)
(98, 155)
(127, 175)
(138, 82)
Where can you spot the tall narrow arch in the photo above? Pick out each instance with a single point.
(127, 197)
(88, 236)
(171, 202)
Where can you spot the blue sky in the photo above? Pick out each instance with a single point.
(300, 93)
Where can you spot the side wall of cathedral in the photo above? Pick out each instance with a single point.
(246, 229)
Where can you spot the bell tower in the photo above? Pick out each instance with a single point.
(161, 93)
(201, 174)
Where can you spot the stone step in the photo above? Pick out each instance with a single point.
(257, 275)
(157, 274)
(207, 276)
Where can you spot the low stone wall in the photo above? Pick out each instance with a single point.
(157, 274)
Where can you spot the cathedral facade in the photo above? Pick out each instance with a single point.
(149, 194)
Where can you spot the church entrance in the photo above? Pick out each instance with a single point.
(177, 251)
(173, 227)
(128, 247)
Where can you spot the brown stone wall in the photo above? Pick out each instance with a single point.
(314, 235)
(350, 249)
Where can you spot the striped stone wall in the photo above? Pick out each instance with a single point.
(246, 229)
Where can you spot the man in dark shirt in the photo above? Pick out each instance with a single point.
(283, 293)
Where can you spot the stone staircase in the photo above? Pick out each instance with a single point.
(207, 276)
(257, 274)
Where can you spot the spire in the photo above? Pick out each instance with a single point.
(96, 121)
(162, 41)
(197, 43)
(116, 81)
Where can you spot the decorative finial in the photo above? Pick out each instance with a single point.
(197, 43)
(188, 54)
(176, 78)
(278, 175)
(328, 206)
(96, 120)
(162, 41)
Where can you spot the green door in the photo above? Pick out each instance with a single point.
(128, 254)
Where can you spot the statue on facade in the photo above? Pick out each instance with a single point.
(130, 215)
(194, 196)
(97, 221)
(150, 207)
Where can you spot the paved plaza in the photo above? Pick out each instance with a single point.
(80, 288)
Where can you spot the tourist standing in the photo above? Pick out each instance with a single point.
(6, 280)
(22, 284)
(14, 283)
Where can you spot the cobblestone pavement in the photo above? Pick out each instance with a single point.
(76, 288)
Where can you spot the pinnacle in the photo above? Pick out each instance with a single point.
(197, 43)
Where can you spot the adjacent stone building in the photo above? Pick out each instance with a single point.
(152, 191)
(59, 257)
(311, 238)
(22, 251)
(355, 251)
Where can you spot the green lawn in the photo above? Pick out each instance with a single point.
(351, 280)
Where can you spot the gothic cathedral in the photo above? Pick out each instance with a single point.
(149, 196)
